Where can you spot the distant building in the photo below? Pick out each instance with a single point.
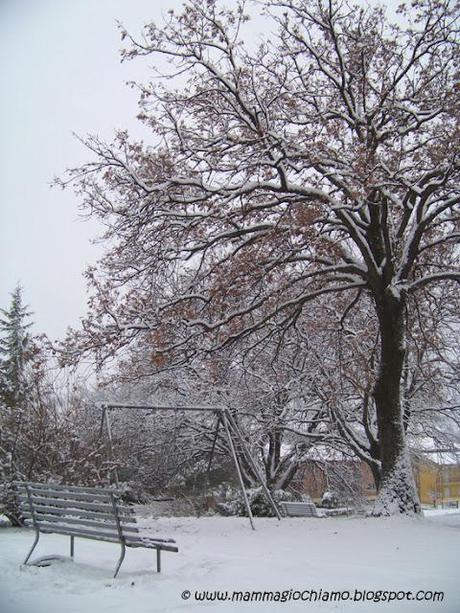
(437, 477)
(349, 478)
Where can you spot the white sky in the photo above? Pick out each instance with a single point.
(60, 73)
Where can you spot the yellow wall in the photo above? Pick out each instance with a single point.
(437, 483)
(451, 481)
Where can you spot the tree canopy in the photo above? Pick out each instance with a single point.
(321, 165)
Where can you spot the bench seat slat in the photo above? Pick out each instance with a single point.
(52, 528)
(96, 523)
(63, 501)
(78, 496)
(76, 530)
(151, 543)
(127, 519)
(60, 488)
(58, 511)
(37, 500)
(72, 504)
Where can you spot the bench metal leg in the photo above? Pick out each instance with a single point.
(120, 561)
(158, 560)
(37, 536)
(72, 546)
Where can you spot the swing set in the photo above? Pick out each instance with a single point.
(225, 420)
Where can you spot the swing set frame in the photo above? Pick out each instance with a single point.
(231, 431)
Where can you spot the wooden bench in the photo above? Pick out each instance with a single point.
(87, 512)
(299, 509)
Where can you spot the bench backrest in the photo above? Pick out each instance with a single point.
(79, 511)
(299, 509)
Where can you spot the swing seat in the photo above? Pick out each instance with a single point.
(299, 509)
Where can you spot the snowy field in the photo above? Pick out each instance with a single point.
(216, 553)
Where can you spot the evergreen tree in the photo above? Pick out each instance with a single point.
(15, 351)
(15, 356)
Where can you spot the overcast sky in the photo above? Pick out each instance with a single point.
(60, 73)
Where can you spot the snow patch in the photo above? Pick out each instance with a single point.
(217, 553)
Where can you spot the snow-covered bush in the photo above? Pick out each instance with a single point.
(330, 500)
(232, 501)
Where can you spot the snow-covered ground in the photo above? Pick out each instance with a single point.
(217, 553)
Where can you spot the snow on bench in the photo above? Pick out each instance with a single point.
(299, 509)
(86, 512)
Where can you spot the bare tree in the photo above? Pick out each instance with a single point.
(272, 388)
(323, 163)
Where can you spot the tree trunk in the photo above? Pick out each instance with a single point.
(397, 491)
(376, 473)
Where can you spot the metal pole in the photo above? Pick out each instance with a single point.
(101, 429)
(238, 469)
(252, 462)
(34, 521)
(211, 455)
(109, 435)
(161, 407)
(121, 536)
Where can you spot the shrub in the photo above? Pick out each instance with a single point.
(330, 500)
(232, 501)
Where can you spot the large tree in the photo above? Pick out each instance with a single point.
(322, 163)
